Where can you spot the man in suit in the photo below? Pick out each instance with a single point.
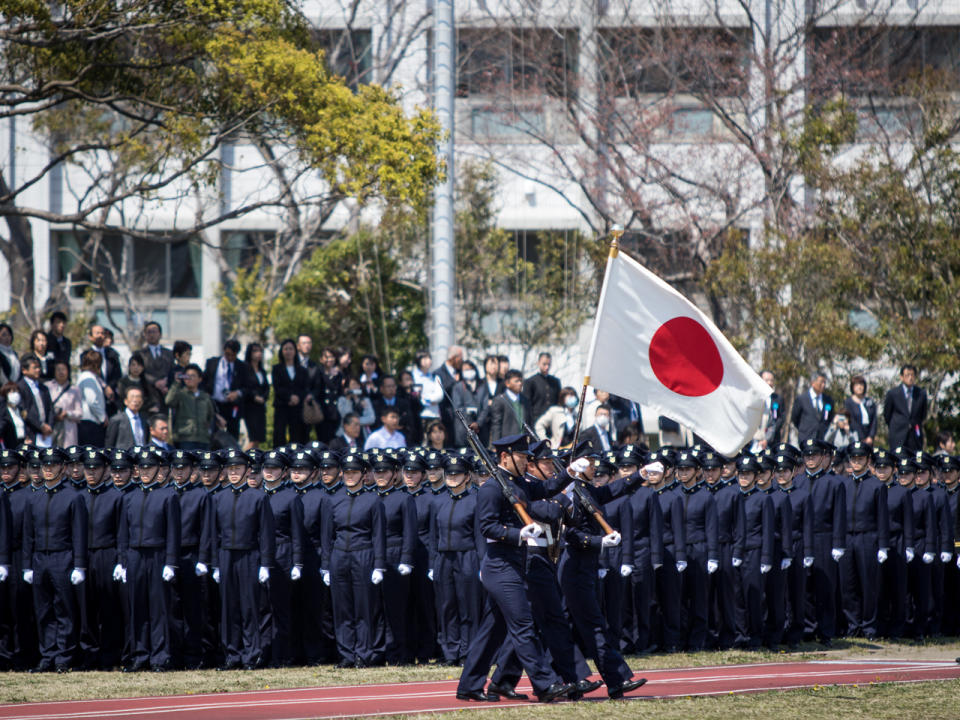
(449, 375)
(813, 410)
(36, 401)
(127, 428)
(511, 410)
(387, 397)
(601, 435)
(110, 368)
(157, 362)
(58, 343)
(304, 347)
(905, 409)
(160, 432)
(771, 427)
(542, 388)
(227, 379)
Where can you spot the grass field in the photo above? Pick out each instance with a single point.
(929, 700)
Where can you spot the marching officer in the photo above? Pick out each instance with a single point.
(54, 560)
(245, 547)
(149, 550)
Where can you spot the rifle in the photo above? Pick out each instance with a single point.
(582, 495)
(491, 466)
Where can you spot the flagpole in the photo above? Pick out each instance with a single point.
(616, 232)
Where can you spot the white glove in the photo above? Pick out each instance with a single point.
(808, 561)
(882, 555)
(376, 577)
(927, 558)
(480, 575)
(326, 577)
(837, 553)
(124, 578)
(958, 562)
(263, 575)
(712, 566)
(404, 569)
(945, 557)
(4, 573)
(578, 467)
(28, 577)
(909, 554)
(764, 569)
(216, 575)
(430, 574)
(736, 562)
(601, 573)
(785, 563)
(295, 572)
(657, 566)
(200, 569)
(626, 570)
(118, 572)
(168, 573)
(681, 565)
(611, 540)
(530, 532)
(77, 576)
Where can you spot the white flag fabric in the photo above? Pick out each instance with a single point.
(652, 345)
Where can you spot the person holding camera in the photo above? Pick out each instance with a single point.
(839, 433)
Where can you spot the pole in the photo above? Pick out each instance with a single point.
(616, 232)
(442, 242)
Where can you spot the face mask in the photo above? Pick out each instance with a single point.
(571, 402)
(13, 399)
(603, 422)
(469, 374)
(356, 391)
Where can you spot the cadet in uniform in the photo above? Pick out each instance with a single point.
(949, 472)
(668, 580)
(55, 560)
(422, 621)
(703, 552)
(18, 627)
(924, 543)
(892, 609)
(774, 585)
(758, 552)
(799, 544)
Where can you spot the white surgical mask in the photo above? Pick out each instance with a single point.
(469, 374)
(603, 422)
(13, 399)
(571, 401)
(356, 391)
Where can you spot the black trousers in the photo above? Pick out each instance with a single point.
(459, 597)
(239, 595)
(276, 610)
(101, 632)
(186, 612)
(356, 606)
(859, 572)
(56, 609)
(148, 602)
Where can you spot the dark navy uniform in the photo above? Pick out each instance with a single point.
(422, 621)
(759, 547)
(731, 532)
(893, 573)
(800, 547)
(245, 546)
(149, 547)
(18, 627)
(668, 580)
(925, 546)
(354, 546)
(54, 547)
(775, 582)
(950, 623)
(944, 552)
(276, 623)
(701, 530)
(641, 524)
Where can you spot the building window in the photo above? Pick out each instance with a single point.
(112, 262)
(660, 61)
(349, 53)
(526, 62)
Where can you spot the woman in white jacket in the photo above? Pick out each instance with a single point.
(556, 424)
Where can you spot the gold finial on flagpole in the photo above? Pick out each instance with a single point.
(616, 232)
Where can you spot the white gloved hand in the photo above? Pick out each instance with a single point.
(480, 575)
(837, 553)
(263, 575)
(764, 569)
(430, 574)
(958, 562)
(681, 565)
(326, 577)
(882, 555)
(28, 577)
(736, 562)
(945, 557)
(578, 467)
(168, 573)
(786, 563)
(77, 576)
(295, 573)
(601, 573)
(611, 540)
(927, 558)
(909, 554)
(200, 569)
(216, 575)
(530, 532)
(124, 578)
(4, 573)
(712, 566)
(376, 577)
(657, 566)
(626, 570)
(118, 572)
(404, 569)
(808, 561)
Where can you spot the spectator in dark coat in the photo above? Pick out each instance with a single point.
(905, 409)
(58, 343)
(470, 398)
(389, 396)
(862, 409)
(255, 404)
(35, 401)
(813, 410)
(289, 390)
(541, 389)
(228, 380)
(510, 411)
(158, 361)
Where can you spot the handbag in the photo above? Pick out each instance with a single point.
(312, 412)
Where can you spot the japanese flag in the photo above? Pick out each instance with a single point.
(652, 345)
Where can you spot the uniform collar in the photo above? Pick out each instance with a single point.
(239, 488)
(55, 489)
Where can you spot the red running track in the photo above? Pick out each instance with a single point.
(421, 697)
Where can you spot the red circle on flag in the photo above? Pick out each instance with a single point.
(685, 358)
